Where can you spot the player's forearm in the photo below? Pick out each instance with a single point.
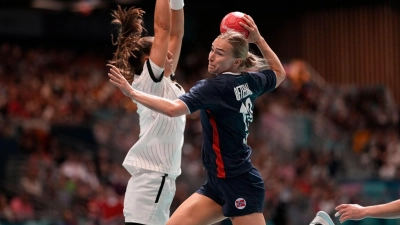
(272, 59)
(177, 21)
(155, 103)
(176, 35)
(389, 210)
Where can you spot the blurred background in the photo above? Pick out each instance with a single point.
(328, 135)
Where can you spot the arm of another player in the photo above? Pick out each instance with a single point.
(171, 108)
(177, 31)
(389, 210)
(270, 56)
(162, 29)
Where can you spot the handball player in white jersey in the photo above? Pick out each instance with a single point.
(148, 63)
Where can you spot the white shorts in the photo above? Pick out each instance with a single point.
(148, 197)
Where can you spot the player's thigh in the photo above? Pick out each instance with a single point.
(148, 198)
(243, 194)
(253, 219)
(197, 210)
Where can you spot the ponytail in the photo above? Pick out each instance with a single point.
(130, 28)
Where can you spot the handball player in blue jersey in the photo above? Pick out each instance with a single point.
(234, 188)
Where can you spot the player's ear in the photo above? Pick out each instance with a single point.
(144, 58)
(237, 62)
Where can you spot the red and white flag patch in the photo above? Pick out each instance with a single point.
(240, 203)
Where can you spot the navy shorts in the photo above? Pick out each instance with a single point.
(238, 196)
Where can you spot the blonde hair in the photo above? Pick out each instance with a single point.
(250, 61)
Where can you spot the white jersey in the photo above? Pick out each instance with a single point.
(159, 147)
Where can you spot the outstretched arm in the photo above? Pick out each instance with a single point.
(269, 55)
(177, 30)
(389, 210)
(162, 29)
(171, 108)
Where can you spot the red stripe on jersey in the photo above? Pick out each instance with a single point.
(216, 148)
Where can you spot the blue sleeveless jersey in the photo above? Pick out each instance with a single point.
(226, 105)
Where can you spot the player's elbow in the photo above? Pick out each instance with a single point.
(169, 112)
(280, 76)
(174, 110)
(162, 25)
(177, 31)
(176, 36)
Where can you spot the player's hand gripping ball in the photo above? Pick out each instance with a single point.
(231, 22)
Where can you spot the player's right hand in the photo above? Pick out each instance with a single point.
(254, 34)
(119, 81)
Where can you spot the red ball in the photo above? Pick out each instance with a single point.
(231, 22)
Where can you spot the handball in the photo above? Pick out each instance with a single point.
(231, 22)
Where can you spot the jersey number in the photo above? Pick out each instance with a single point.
(246, 110)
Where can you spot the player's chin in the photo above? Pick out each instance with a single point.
(212, 69)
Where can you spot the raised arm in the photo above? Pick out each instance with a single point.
(272, 59)
(162, 30)
(177, 30)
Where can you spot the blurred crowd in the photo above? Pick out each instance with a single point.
(53, 178)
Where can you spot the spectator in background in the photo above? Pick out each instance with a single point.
(31, 182)
(298, 74)
(22, 208)
(6, 213)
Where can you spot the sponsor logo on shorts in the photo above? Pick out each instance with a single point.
(240, 203)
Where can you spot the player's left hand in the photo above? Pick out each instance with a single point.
(118, 80)
(254, 34)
